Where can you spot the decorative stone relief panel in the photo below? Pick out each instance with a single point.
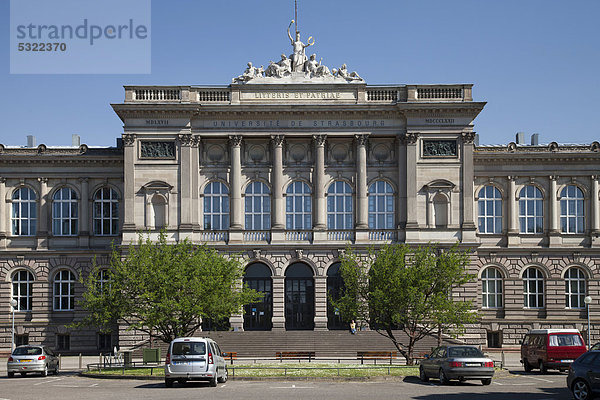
(339, 152)
(298, 152)
(381, 151)
(440, 148)
(157, 149)
(256, 152)
(214, 152)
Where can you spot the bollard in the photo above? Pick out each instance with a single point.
(60, 361)
(100, 359)
(80, 361)
(503, 363)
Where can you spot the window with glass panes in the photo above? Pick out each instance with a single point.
(531, 210)
(490, 210)
(216, 207)
(103, 278)
(106, 212)
(298, 206)
(64, 291)
(65, 210)
(491, 288)
(339, 206)
(575, 288)
(381, 205)
(533, 288)
(258, 207)
(571, 210)
(24, 212)
(22, 285)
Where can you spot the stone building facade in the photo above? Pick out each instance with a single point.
(288, 172)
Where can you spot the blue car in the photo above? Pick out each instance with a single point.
(584, 376)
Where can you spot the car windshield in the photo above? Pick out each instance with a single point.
(464, 352)
(27, 351)
(565, 340)
(189, 348)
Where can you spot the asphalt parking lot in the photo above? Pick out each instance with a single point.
(69, 385)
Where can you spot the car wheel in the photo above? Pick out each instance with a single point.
(213, 382)
(422, 375)
(23, 373)
(223, 378)
(486, 381)
(45, 371)
(526, 366)
(11, 374)
(443, 377)
(56, 370)
(543, 369)
(581, 390)
(169, 382)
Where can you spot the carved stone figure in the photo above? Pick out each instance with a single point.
(249, 74)
(279, 69)
(349, 76)
(299, 55)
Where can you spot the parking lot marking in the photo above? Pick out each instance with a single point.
(93, 385)
(50, 381)
(540, 379)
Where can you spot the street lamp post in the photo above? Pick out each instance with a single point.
(587, 300)
(13, 305)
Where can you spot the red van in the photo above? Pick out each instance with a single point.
(551, 349)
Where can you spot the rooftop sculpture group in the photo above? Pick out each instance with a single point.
(297, 64)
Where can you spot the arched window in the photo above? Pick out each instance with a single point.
(490, 210)
(106, 212)
(335, 284)
(258, 207)
(339, 206)
(24, 212)
(22, 284)
(531, 210)
(381, 205)
(440, 211)
(299, 297)
(571, 210)
(491, 288)
(298, 206)
(65, 212)
(159, 211)
(575, 288)
(257, 316)
(216, 207)
(533, 288)
(64, 291)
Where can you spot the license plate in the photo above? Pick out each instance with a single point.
(566, 361)
(182, 363)
(24, 360)
(472, 364)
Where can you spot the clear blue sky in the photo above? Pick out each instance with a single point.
(536, 62)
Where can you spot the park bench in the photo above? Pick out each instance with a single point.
(295, 355)
(230, 355)
(376, 355)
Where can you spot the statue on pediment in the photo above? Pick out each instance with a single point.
(279, 69)
(316, 68)
(299, 55)
(250, 73)
(349, 76)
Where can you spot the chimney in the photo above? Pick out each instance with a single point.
(535, 139)
(30, 141)
(75, 140)
(520, 137)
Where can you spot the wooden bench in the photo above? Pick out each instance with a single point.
(295, 355)
(230, 355)
(376, 355)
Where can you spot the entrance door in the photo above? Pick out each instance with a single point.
(299, 297)
(334, 289)
(257, 316)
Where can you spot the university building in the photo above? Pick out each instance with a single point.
(287, 167)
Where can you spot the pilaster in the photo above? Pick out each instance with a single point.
(468, 222)
(44, 215)
(320, 303)
(84, 216)
(235, 180)
(185, 186)
(3, 214)
(277, 182)
(362, 207)
(129, 157)
(595, 212)
(278, 318)
(553, 232)
(319, 182)
(513, 230)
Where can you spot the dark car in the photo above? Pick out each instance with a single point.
(584, 376)
(457, 362)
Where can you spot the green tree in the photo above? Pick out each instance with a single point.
(407, 289)
(164, 289)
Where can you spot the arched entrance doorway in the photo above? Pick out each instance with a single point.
(299, 297)
(257, 316)
(334, 288)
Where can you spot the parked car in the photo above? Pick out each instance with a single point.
(457, 362)
(194, 359)
(595, 347)
(28, 359)
(583, 376)
(551, 349)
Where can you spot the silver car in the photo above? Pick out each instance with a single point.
(457, 362)
(28, 359)
(194, 359)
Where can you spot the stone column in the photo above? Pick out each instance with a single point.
(277, 182)
(553, 213)
(129, 155)
(412, 224)
(235, 180)
(3, 215)
(319, 182)
(44, 214)
(84, 217)
(185, 187)
(320, 303)
(401, 195)
(195, 165)
(468, 222)
(595, 211)
(362, 205)
(513, 229)
(278, 319)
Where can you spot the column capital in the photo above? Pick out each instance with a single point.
(410, 138)
(42, 180)
(553, 177)
(195, 140)
(511, 178)
(129, 139)
(468, 137)
(595, 177)
(278, 140)
(2, 179)
(235, 140)
(361, 140)
(84, 180)
(185, 139)
(320, 140)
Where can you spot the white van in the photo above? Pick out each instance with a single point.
(194, 359)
